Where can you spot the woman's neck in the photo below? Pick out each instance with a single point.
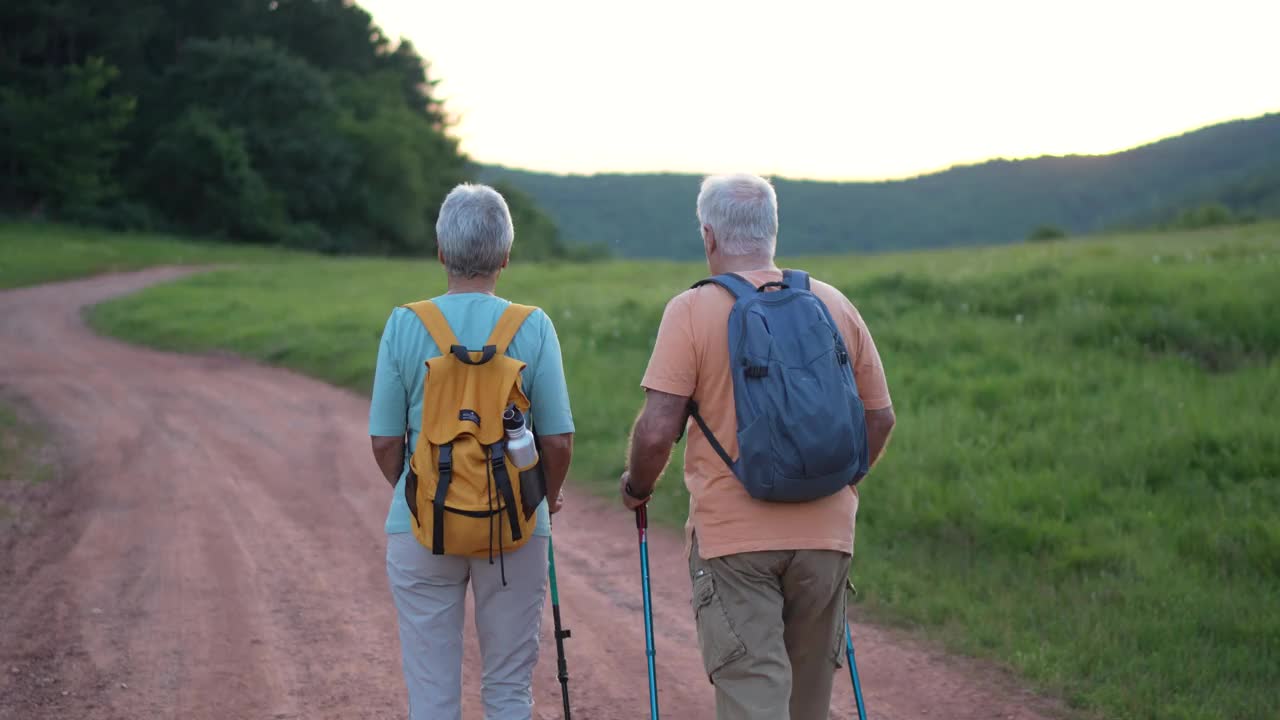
(485, 284)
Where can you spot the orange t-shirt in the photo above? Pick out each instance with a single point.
(691, 359)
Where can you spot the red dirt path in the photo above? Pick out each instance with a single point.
(214, 550)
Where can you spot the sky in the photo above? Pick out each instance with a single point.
(853, 90)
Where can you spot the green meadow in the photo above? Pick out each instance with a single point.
(32, 253)
(1085, 479)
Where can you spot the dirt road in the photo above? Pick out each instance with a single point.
(214, 550)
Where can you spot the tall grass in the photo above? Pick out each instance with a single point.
(1085, 482)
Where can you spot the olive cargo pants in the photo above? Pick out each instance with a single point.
(771, 630)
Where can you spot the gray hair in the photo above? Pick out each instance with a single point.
(742, 210)
(474, 231)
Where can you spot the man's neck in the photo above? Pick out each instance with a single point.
(485, 284)
(742, 263)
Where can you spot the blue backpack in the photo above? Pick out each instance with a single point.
(802, 434)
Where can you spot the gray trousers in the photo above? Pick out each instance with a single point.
(430, 594)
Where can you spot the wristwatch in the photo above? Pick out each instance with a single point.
(632, 493)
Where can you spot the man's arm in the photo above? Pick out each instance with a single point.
(655, 433)
(879, 427)
(868, 373)
(557, 452)
(389, 454)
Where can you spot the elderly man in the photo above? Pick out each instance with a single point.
(769, 578)
(475, 234)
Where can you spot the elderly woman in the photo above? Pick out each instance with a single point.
(475, 235)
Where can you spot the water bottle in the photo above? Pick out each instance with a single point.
(521, 450)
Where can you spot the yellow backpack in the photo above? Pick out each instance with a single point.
(464, 494)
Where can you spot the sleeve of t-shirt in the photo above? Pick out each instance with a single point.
(673, 366)
(389, 406)
(868, 372)
(548, 392)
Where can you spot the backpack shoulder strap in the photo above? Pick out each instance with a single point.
(508, 325)
(710, 436)
(737, 285)
(796, 279)
(437, 327)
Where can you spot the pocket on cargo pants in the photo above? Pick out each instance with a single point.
(717, 638)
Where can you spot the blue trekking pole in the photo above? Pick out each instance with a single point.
(561, 632)
(642, 526)
(853, 671)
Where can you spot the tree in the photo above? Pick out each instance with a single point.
(288, 121)
(283, 107)
(404, 168)
(1208, 215)
(537, 237)
(1045, 233)
(201, 176)
(61, 144)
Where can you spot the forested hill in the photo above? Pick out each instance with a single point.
(291, 121)
(1235, 163)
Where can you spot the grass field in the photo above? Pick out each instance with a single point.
(1085, 482)
(32, 253)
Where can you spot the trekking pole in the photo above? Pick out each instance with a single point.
(853, 671)
(642, 527)
(561, 632)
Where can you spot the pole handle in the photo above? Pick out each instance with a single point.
(642, 518)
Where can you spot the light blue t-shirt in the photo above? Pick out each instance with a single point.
(406, 346)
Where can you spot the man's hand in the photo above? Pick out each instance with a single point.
(630, 502)
(556, 504)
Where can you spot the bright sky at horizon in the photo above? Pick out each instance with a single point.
(833, 90)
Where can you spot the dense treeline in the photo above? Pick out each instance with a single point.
(1256, 196)
(1234, 164)
(279, 121)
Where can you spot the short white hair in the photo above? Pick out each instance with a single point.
(474, 231)
(742, 211)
